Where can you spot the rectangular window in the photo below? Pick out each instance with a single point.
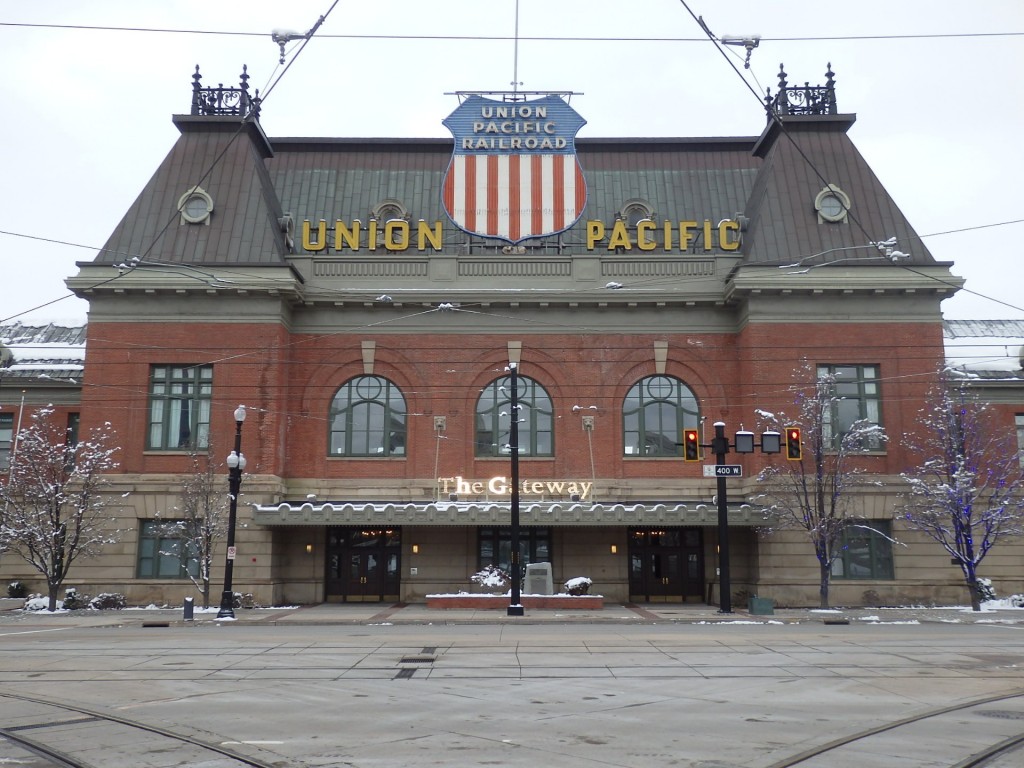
(857, 398)
(179, 407)
(1019, 418)
(163, 553)
(72, 430)
(6, 438)
(495, 547)
(866, 551)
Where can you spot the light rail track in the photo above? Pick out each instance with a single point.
(989, 736)
(70, 736)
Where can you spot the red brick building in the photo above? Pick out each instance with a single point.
(324, 284)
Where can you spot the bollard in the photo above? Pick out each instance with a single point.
(188, 608)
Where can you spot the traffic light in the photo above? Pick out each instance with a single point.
(794, 452)
(691, 445)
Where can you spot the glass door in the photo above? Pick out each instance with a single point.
(665, 565)
(363, 565)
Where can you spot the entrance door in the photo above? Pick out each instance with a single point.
(363, 565)
(666, 565)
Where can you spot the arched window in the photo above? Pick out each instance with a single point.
(634, 211)
(654, 414)
(367, 419)
(494, 417)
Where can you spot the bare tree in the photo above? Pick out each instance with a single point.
(202, 521)
(813, 494)
(54, 508)
(966, 491)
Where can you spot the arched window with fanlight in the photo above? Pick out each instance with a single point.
(634, 211)
(654, 414)
(367, 418)
(494, 418)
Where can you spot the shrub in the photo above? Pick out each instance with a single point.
(74, 601)
(985, 590)
(16, 589)
(492, 578)
(37, 602)
(108, 601)
(578, 586)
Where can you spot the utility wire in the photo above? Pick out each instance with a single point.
(776, 118)
(216, 161)
(507, 38)
(355, 295)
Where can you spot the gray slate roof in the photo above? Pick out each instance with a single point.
(254, 180)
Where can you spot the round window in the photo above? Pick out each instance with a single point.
(195, 206)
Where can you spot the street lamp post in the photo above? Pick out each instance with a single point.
(236, 463)
(515, 607)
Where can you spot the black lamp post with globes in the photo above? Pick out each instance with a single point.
(236, 463)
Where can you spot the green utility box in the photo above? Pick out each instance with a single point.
(761, 606)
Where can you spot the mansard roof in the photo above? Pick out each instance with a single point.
(345, 178)
(226, 159)
(263, 189)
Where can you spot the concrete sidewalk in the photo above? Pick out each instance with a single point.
(418, 613)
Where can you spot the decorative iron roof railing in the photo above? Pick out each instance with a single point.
(225, 101)
(803, 100)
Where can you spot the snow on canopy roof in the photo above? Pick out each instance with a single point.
(993, 348)
(37, 349)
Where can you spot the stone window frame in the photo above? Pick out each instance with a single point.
(642, 405)
(164, 552)
(536, 423)
(863, 391)
(359, 410)
(195, 193)
(866, 545)
(180, 403)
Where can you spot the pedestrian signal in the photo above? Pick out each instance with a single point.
(794, 452)
(691, 445)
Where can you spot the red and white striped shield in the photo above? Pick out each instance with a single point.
(514, 174)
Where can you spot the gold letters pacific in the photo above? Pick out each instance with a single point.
(401, 235)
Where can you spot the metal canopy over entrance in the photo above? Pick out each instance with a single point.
(549, 513)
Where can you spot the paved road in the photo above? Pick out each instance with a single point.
(384, 693)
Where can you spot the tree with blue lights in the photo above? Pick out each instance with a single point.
(966, 491)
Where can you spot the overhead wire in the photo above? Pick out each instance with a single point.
(245, 118)
(579, 329)
(509, 38)
(319, 293)
(777, 120)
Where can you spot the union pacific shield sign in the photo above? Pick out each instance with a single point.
(514, 174)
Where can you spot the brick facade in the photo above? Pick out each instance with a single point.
(285, 322)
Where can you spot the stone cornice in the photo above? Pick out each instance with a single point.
(749, 281)
(184, 279)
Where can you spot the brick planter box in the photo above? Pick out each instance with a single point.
(496, 602)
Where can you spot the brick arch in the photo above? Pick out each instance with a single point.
(323, 383)
(683, 364)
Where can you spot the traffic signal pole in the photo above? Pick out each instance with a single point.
(720, 447)
(770, 443)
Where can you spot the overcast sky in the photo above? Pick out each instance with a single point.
(87, 113)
